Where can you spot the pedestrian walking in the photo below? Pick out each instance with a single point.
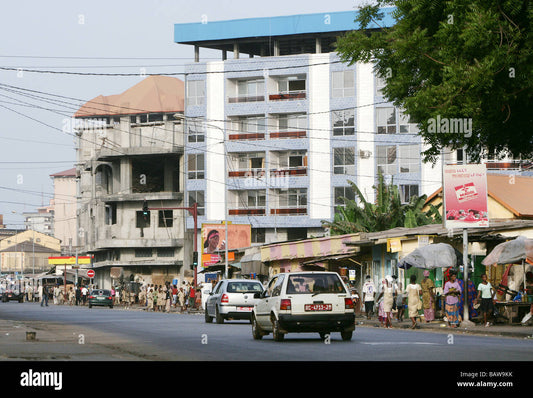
(168, 300)
(387, 292)
(44, 296)
(84, 292)
(400, 298)
(369, 292)
(78, 295)
(181, 298)
(150, 299)
(452, 292)
(413, 300)
(428, 297)
(486, 295)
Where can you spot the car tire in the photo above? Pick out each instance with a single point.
(111, 306)
(90, 306)
(257, 332)
(276, 333)
(208, 319)
(346, 335)
(218, 316)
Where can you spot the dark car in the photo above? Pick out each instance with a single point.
(12, 294)
(100, 297)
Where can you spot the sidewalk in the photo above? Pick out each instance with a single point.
(502, 330)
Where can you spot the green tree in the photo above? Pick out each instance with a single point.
(445, 62)
(386, 213)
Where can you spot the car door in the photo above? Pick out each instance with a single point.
(212, 299)
(262, 307)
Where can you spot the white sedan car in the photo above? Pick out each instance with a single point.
(232, 299)
(298, 302)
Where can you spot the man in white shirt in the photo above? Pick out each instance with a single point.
(369, 291)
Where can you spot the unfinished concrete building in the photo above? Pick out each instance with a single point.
(130, 150)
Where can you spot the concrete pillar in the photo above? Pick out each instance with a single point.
(276, 48)
(318, 45)
(236, 50)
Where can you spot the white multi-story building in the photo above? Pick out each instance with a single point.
(293, 123)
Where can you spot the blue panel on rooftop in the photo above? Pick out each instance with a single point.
(270, 26)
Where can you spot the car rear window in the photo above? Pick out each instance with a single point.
(314, 283)
(101, 292)
(244, 287)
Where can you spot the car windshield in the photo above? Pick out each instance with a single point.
(314, 283)
(100, 292)
(244, 287)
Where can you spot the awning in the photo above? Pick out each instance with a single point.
(327, 258)
(252, 264)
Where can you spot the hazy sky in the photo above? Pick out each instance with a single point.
(112, 36)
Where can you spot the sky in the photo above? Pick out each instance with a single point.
(94, 36)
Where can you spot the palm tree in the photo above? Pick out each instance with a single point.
(386, 213)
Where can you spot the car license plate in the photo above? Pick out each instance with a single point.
(318, 307)
(244, 309)
(100, 298)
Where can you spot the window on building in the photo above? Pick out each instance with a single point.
(255, 199)
(386, 120)
(143, 252)
(296, 233)
(195, 92)
(344, 122)
(293, 198)
(166, 252)
(406, 126)
(111, 214)
(198, 198)
(195, 130)
(380, 84)
(343, 192)
(386, 159)
(343, 84)
(148, 174)
(344, 161)
(409, 159)
(195, 166)
(292, 122)
(251, 90)
(248, 125)
(258, 235)
(251, 161)
(165, 218)
(407, 191)
(291, 84)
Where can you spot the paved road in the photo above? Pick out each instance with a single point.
(80, 333)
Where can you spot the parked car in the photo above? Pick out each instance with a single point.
(101, 297)
(12, 295)
(232, 299)
(300, 302)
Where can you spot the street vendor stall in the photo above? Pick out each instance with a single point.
(518, 251)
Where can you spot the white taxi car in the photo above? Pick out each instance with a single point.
(299, 302)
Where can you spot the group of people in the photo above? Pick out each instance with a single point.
(391, 299)
(164, 297)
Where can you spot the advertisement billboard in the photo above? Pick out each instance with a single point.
(465, 196)
(213, 240)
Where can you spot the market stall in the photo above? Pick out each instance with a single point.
(513, 304)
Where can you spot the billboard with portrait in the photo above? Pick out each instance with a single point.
(214, 235)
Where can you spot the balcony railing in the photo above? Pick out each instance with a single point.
(290, 171)
(257, 173)
(247, 136)
(247, 212)
(251, 98)
(289, 211)
(289, 134)
(291, 95)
